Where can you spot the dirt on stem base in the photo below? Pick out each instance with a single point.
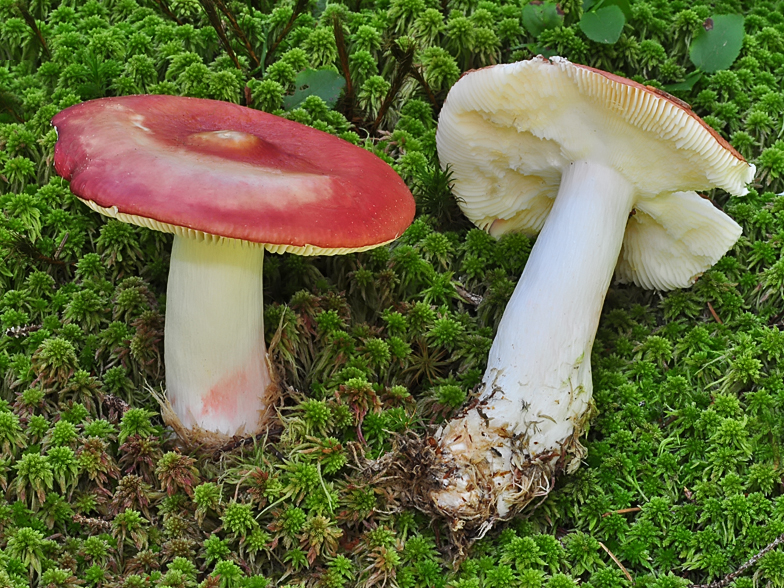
(197, 439)
(420, 471)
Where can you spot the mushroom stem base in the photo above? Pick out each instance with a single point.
(535, 398)
(217, 377)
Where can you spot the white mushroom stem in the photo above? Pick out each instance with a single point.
(537, 386)
(216, 367)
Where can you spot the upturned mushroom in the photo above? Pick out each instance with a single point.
(228, 182)
(607, 170)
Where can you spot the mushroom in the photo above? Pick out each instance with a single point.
(606, 169)
(228, 182)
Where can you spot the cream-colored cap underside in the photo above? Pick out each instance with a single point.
(508, 131)
(671, 240)
(203, 236)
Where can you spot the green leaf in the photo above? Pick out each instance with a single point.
(324, 83)
(539, 16)
(321, 6)
(719, 42)
(687, 84)
(603, 25)
(624, 5)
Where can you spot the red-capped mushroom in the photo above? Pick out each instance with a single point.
(228, 182)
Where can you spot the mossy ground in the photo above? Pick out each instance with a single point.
(682, 482)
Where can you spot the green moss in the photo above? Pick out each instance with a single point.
(682, 477)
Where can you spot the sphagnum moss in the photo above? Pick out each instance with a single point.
(681, 481)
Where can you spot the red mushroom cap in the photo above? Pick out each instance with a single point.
(189, 166)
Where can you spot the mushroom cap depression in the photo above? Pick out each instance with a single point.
(198, 167)
(509, 131)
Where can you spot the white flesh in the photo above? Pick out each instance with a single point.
(537, 386)
(216, 361)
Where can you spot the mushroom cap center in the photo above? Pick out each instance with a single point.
(225, 139)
